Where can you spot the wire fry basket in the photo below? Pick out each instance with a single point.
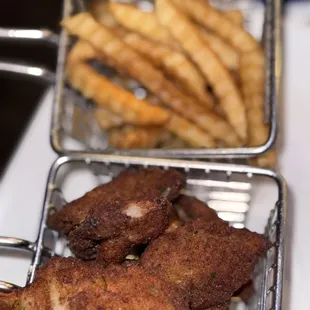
(234, 191)
(67, 121)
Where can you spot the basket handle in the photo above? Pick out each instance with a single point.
(44, 35)
(16, 243)
(29, 71)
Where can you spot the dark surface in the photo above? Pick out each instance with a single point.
(19, 97)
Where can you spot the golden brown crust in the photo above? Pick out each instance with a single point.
(224, 87)
(246, 292)
(125, 212)
(68, 283)
(192, 209)
(208, 260)
(124, 58)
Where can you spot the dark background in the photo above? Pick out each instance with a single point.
(19, 97)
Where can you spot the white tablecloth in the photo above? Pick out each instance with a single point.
(22, 186)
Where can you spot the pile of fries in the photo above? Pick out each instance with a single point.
(202, 72)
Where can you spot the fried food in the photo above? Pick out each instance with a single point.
(107, 120)
(101, 12)
(191, 208)
(129, 137)
(68, 283)
(81, 51)
(108, 95)
(220, 79)
(246, 292)
(189, 132)
(209, 261)
(175, 64)
(252, 74)
(267, 160)
(236, 16)
(144, 23)
(130, 210)
(228, 55)
(125, 58)
(219, 307)
(216, 21)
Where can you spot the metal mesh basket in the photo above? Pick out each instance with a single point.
(77, 121)
(236, 192)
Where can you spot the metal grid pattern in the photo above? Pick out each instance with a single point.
(67, 124)
(227, 188)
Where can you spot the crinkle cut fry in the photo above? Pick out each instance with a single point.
(141, 22)
(175, 64)
(189, 132)
(218, 76)
(124, 58)
(83, 51)
(226, 53)
(252, 75)
(129, 137)
(104, 93)
(236, 16)
(216, 21)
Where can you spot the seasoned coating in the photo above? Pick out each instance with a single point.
(209, 261)
(174, 64)
(220, 24)
(124, 58)
(130, 184)
(112, 229)
(191, 208)
(70, 284)
(220, 307)
(191, 40)
(118, 215)
(246, 292)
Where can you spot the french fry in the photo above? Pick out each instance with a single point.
(236, 16)
(214, 20)
(138, 21)
(102, 13)
(267, 160)
(130, 137)
(189, 132)
(252, 73)
(174, 64)
(107, 95)
(141, 22)
(227, 54)
(125, 58)
(220, 79)
(81, 51)
(107, 120)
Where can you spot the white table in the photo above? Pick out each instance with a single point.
(22, 186)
